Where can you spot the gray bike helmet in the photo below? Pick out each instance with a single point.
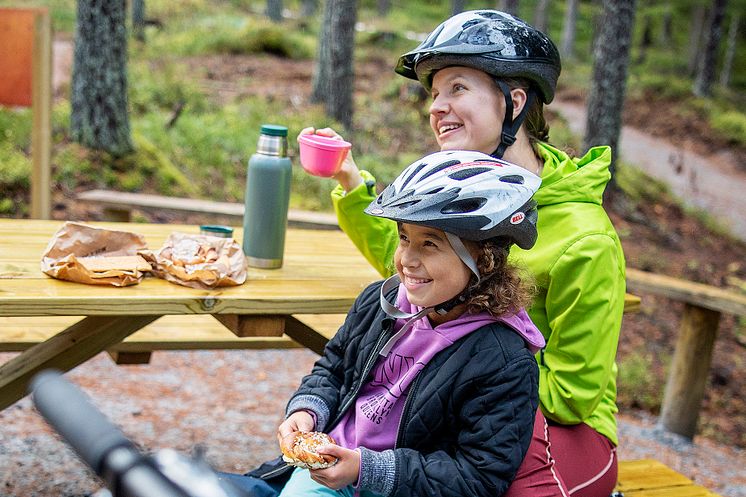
(468, 194)
(497, 43)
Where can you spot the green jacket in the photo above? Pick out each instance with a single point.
(579, 267)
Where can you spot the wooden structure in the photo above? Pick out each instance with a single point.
(687, 378)
(118, 207)
(323, 273)
(650, 478)
(26, 68)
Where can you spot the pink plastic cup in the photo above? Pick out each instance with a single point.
(321, 155)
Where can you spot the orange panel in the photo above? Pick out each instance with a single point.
(16, 52)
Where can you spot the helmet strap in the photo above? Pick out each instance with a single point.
(510, 126)
(443, 308)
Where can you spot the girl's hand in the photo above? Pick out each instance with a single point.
(349, 175)
(342, 474)
(298, 421)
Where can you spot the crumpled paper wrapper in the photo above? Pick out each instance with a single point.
(76, 243)
(199, 261)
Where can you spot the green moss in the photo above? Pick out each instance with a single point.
(732, 124)
(15, 168)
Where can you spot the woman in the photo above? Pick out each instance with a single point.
(489, 75)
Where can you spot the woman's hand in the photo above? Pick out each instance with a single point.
(298, 421)
(349, 175)
(342, 474)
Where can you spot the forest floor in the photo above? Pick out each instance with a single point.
(173, 401)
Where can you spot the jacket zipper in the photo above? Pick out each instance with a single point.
(407, 407)
(366, 369)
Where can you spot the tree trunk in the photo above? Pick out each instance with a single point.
(320, 83)
(274, 10)
(540, 15)
(568, 29)
(730, 50)
(138, 19)
(667, 28)
(383, 7)
(646, 40)
(508, 6)
(99, 117)
(457, 6)
(708, 61)
(610, 61)
(339, 103)
(309, 8)
(695, 37)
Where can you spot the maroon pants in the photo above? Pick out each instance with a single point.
(564, 461)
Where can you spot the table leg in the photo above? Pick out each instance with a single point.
(64, 351)
(305, 335)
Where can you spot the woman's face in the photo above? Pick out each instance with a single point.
(429, 268)
(467, 110)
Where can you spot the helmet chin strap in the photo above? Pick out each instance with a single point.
(511, 127)
(443, 308)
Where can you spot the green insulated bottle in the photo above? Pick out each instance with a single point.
(267, 196)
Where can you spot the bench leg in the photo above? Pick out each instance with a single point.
(687, 378)
(64, 351)
(117, 215)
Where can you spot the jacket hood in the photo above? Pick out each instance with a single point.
(520, 322)
(567, 179)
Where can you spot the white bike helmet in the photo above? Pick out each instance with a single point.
(468, 194)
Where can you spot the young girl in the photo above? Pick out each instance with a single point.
(430, 386)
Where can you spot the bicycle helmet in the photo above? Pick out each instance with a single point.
(468, 194)
(497, 43)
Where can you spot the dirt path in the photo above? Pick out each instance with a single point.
(714, 184)
(230, 403)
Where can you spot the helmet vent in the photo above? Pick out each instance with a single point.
(434, 191)
(405, 205)
(463, 206)
(414, 173)
(513, 178)
(468, 173)
(439, 168)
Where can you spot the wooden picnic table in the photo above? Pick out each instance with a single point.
(322, 274)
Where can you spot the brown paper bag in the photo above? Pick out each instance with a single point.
(199, 261)
(96, 256)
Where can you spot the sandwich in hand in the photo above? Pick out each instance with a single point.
(301, 449)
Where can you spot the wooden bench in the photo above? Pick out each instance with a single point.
(687, 378)
(651, 478)
(118, 207)
(177, 332)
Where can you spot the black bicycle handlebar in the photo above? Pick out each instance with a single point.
(103, 447)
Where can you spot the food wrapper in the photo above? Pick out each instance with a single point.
(199, 261)
(96, 256)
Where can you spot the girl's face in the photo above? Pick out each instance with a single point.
(467, 110)
(429, 268)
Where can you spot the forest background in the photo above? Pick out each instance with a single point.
(203, 75)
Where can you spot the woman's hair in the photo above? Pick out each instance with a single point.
(505, 288)
(535, 124)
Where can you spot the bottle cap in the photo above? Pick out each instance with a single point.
(274, 130)
(216, 230)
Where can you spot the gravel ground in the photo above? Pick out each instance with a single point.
(229, 404)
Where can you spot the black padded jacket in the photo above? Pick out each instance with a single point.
(468, 417)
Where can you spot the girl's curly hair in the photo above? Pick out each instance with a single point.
(505, 288)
